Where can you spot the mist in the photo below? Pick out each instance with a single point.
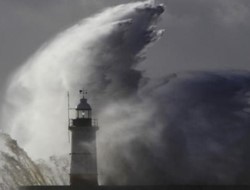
(183, 128)
(195, 131)
(98, 53)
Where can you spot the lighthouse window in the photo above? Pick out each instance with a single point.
(83, 114)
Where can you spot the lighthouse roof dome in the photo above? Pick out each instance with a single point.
(83, 105)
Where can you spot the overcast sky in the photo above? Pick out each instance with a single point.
(201, 34)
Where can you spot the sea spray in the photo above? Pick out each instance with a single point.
(99, 53)
(187, 128)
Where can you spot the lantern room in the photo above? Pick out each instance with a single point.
(83, 109)
(83, 114)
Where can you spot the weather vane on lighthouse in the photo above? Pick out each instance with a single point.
(83, 169)
(83, 92)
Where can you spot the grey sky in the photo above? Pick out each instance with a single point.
(201, 34)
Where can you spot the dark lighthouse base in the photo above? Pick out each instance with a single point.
(83, 180)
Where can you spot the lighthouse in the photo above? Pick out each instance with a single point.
(83, 170)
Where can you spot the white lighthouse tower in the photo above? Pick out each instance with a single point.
(83, 169)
